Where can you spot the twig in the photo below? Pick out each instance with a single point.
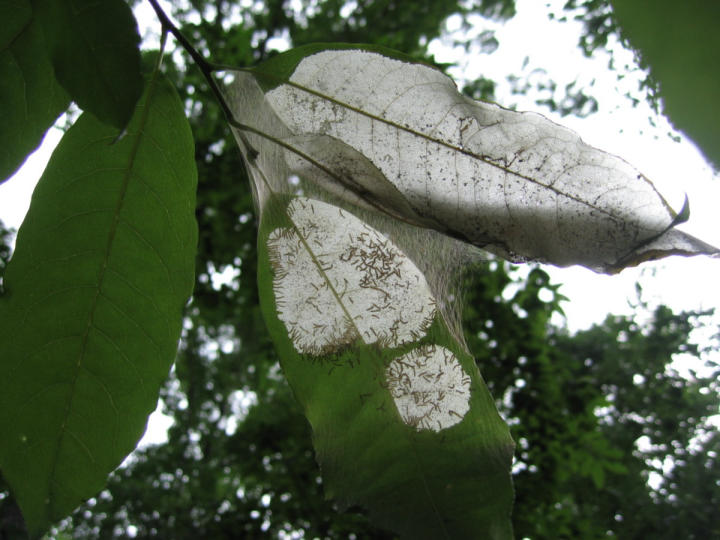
(206, 69)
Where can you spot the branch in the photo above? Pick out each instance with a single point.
(206, 68)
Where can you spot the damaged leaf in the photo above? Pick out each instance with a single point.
(398, 136)
(402, 421)
(372, 175)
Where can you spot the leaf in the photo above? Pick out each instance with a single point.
(92, 311)
(94, 47)
(402, 422)
(682, 58)
(16, 14)
(513, 183)
(30, 98)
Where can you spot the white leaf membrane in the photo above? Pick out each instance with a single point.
(514, 183)
(336, 279)
(429, 387)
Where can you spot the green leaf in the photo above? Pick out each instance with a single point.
(16, 14)
(682, 58)
(30, 97)
(402, 421)
(92, 310)
(94, 47)
(512, 183)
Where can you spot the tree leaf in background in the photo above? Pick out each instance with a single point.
(93, 303)
(682, 58)
(94, 50)
(513, 183)
(31, 97)
(402, 421)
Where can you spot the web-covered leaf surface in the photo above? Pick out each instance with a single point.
(517, 184)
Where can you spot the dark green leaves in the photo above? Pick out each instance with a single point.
(93, 300)
(679, 42)
(49, 48)
(94, 50)
(30, 97)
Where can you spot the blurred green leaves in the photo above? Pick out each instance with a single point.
(56, 51)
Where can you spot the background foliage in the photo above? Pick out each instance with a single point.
(238, 461)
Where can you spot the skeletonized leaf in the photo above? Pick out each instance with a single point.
(93, 302)
(514, 183)
(402, 422)
(94, 48)
(30, 97)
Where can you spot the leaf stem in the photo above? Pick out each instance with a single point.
(206, 68)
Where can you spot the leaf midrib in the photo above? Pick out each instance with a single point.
(324, 275)
(100, 280)
(314, 259)
(426, 488)
(420, 472)
(450, 146)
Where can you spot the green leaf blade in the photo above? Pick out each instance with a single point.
(93, 305)
(94, 47)
(436, 470)
(30, 96)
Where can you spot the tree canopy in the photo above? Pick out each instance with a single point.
(611, 440)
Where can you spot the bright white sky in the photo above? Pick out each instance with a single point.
(531, 41)
(675, 168)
